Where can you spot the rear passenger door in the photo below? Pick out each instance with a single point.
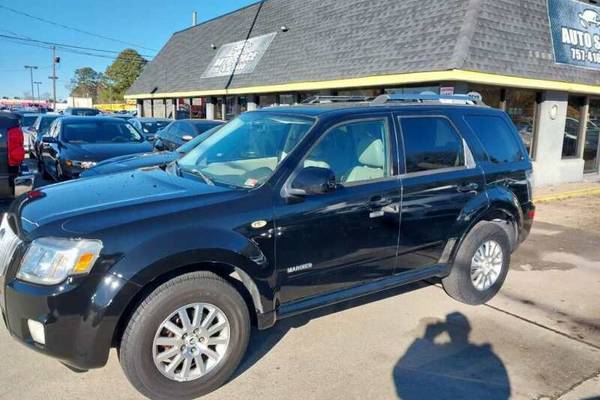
(440, 179)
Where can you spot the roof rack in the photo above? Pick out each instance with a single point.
(472, 98)
(337, 99)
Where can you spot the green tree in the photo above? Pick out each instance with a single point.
(86, 83)
(120, 75)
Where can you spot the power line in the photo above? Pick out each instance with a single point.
(73, 28)
(62, 45)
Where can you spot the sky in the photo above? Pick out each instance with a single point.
(145, 24)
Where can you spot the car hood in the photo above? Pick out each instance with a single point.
(89, 205)
(132, 161)
(102, 151)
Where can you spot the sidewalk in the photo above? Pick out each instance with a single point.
(588, 187)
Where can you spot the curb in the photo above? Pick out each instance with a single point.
(567, 195)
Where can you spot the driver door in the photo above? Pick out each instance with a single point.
(349, 236)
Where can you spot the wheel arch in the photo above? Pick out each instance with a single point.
(235, 275)
(502, 208)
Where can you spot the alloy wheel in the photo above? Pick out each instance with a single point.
(486, 265)
(191, 342)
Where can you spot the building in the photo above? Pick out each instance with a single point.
(537, 59)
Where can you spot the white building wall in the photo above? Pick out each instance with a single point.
(549, 166)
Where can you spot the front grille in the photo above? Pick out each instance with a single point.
(9, 242)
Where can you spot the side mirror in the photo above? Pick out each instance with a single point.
(48, 139)
(313, 181)
(187, 138)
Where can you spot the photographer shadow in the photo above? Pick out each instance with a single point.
(444, 364)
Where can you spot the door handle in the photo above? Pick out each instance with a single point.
(470, 187)
(377, 202)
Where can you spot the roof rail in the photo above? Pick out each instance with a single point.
(472, 98)
(337, 99)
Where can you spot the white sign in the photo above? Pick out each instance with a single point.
(240, 57)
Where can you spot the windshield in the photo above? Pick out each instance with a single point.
(85, 112)
(189, 146)
(203, 126)
(46, 122)
(28, 120)
(246, 151)
(94, 131)
(153, 126)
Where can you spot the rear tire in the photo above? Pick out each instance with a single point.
(480, 266)
(138, 356)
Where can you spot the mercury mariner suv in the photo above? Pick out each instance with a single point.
(282, 211)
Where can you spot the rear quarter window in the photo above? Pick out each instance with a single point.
(497, 138)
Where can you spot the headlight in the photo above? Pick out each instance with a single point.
(50, 261)
(80, 164)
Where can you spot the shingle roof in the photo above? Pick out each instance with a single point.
(333, 39)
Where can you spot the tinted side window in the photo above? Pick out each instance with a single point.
(431, 143)
(497, 138)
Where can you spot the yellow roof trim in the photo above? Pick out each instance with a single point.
(390, 80)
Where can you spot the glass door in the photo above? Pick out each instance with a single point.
(591, 148)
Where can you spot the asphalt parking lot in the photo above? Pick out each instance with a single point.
(539, 339)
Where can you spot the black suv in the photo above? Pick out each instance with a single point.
(281, 211)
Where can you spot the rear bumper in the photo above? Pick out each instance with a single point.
(14, 185)
(528, 218)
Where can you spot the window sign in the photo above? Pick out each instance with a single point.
(575, 28)
(240, 57)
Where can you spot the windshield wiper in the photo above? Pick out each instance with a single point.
(197, 173)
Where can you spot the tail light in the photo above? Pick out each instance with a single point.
(530, 185)
(16, 151)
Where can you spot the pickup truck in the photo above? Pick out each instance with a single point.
(12, 153)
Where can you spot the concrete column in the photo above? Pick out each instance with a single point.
(140, 108)
(549, 166)
(210, 108)
(224, 108)
(236, 106)
(583, 122)
(252, 103)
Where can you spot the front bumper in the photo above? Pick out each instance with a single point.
(79, 317)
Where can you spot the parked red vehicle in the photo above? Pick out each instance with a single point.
(12, 154)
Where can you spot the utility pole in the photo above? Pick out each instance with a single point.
(37, 83)
(31, 68)
(55, 60)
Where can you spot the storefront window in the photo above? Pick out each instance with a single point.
(198, 108)
(267, 100)
(287, 99)
(521, 107)
(590, 150)
(413, 90)
(491, 95)
(360, 92)
(572, 127)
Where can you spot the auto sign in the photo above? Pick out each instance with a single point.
(575, 28)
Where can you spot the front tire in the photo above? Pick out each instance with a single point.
(480, 266)
(186, 338)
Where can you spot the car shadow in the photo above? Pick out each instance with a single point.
(444, 364)
(262, 342)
